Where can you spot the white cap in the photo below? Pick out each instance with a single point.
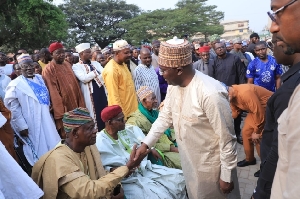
(175, 41)
(120, 45)
(82, 47)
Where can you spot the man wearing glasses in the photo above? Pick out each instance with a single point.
(286, 39)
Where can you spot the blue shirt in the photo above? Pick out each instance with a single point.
(264, 74)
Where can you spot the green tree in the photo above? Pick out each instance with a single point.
(189, 17)
(30, 24)
(97, 21)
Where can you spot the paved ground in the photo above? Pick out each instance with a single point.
(247, 181)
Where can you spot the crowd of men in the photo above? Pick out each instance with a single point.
(156, 121)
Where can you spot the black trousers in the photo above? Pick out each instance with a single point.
(237, 125)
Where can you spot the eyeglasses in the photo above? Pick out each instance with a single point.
(26, 66)
(272, 15)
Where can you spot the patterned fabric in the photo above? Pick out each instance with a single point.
(76, 118)
(24, 58)
(264, 74)
(175, 55)
(146, 76)
(40, 90)
(144, 92)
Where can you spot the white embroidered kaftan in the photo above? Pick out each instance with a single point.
(150, 181)
(203, 124)
(86, 77)
(14, 182)
(29, 113)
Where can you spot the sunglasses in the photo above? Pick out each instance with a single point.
(272, 15)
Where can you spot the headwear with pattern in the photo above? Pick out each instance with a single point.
(120, 45)
(175, 53)
(76, 118)
(144, 92)
(54, 46)
(110, 112)
(23, 58)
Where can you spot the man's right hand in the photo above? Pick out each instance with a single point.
(24, 133)
(137, 156)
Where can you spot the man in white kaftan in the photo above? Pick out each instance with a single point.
(198, 108)
(149, 180)
(14, 182)
(89, 73)
(28, 100)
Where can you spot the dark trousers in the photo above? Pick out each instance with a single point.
(237, 125)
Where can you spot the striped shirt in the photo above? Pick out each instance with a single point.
(146, 76)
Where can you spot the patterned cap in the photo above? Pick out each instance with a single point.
(105, 50)
(175, 53)
(23, 58)
(82, 47)
(144, 92)
(76, 118)
(120, 45)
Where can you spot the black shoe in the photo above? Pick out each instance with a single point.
(245, 163)
(256, 174)
(239, 139)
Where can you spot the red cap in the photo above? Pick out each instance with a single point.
(204, 49)
(110, 112)
(54, 46)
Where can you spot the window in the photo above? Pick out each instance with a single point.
(242, 30)
(240, 25)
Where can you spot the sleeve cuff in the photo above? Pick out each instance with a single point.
(121, 171)
(149, 141)
(226, 175)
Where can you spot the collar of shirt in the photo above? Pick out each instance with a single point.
(290, 72)
(146, 66)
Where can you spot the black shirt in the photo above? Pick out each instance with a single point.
(277, 103)
(229, 70)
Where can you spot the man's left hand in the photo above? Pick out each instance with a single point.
(226, 187)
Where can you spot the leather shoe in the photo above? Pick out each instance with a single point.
(239, 140)
(245, 163)
(257, 173)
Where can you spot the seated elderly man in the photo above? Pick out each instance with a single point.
(144, 117)
(74, 169)
(115, 143)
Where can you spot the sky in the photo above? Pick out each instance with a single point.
(253, 10)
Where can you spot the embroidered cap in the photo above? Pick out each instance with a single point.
(23, 58)
(175, 53)
(120, 45)
(144, 92)
(82, 47)
(76, 118)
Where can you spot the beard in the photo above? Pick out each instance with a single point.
(289, 50)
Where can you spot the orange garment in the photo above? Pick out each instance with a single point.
(64, 90)
(253, 99)
(6, 132)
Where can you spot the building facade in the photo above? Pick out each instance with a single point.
(236, 29)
